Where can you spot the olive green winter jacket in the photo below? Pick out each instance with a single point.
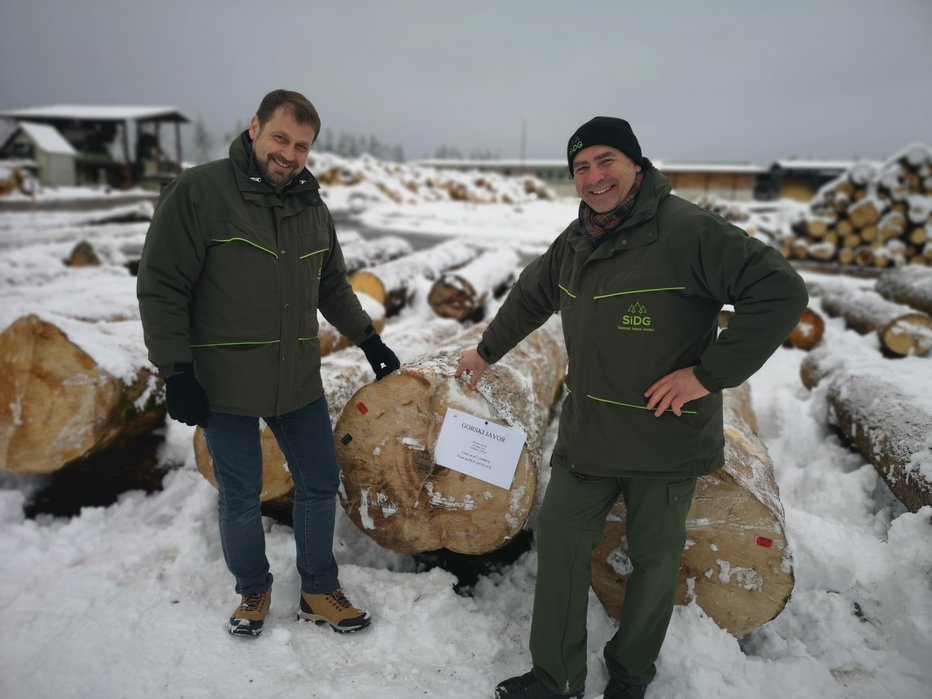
(641, 305)
(231, 277)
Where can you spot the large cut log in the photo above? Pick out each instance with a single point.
(390, 283)
(911, 285)
(59, 405)
(883, 410)
(342, 374)
(736, 564)
(901, 330)
(364, 253)
(394, 490)
(464, 292)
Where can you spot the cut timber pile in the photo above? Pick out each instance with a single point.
(394, 491)
(807, 333)
(57, 405)
(887, 419)
(901, 330)
(872, 217)
(390, 283)
(736, 564)
(464, 292)
(342, 373)
(910, 285)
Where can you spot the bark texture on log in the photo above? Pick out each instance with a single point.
(887, 419)
(394, 491)
(736, 564)
(911, 285)
(462, 293)
(901, 331)
(369, 253)
(390, 283)
(58, 405)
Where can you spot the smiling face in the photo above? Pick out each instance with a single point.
(603, 177)
(281, 146)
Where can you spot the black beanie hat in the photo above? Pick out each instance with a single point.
(604, 131)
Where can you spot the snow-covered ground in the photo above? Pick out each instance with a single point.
(131, 600)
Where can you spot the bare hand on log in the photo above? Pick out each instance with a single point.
(673, 391)
(474, 365)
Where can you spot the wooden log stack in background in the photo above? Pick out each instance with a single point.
(871, 216)
(393, 489)
(464, 292)
(736, 564)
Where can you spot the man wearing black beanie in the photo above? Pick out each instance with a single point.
(638, 279)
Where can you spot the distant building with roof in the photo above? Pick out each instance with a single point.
(790, 178)
(39, 148)
(100, 137)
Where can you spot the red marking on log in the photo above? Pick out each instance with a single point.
(764, 541)
(362, 408)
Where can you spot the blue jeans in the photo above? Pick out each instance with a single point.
(306, 440)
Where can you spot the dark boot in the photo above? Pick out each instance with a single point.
(529, 686)
(616, 689)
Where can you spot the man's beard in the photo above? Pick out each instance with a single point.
(263, 166)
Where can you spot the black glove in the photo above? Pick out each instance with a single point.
(382, 359)
(186, 400)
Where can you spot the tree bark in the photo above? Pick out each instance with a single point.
(370, 253)
(900, 330)
(395, 492)
(390, 283)
(464, 292)
(736, 564)
(57, 405)
(911, 285)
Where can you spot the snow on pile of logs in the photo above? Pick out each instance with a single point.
(871, 217)
(910, 285)
(392, 488)
(900, 330)
(464, 292)
(736, 564)
(887, 418)
(392, 283)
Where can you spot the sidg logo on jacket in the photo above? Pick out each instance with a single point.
(636, 319)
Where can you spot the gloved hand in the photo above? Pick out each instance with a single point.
(382, 359)
(186, 399)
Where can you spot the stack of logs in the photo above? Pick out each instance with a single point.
(871, 217)
(883, 416)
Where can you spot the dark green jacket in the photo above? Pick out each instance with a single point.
(639, 306)
(231, 277)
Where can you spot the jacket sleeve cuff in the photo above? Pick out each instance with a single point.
(486, 353)
(705, 378)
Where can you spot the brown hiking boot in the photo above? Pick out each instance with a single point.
(333, 608)
(249, 616)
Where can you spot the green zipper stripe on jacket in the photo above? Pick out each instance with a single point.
(639, 407)
(316, 252)
(638, 291)
(233, 344)
(566, 291)
(243, 240)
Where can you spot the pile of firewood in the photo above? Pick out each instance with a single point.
(870, 216)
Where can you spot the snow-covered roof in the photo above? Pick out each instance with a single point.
(684, 166)
(803, 164)
(91, 112)
(47, 138)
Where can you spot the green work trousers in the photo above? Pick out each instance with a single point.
(569, 527)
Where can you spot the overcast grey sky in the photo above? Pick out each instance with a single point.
(739, 80)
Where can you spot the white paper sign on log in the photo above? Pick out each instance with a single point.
(479, 448)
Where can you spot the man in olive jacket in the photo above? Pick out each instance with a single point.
(240, 255)
(639, 279)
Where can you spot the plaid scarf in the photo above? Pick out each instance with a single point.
(596, 227)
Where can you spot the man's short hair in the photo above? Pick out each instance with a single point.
(298, 106)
